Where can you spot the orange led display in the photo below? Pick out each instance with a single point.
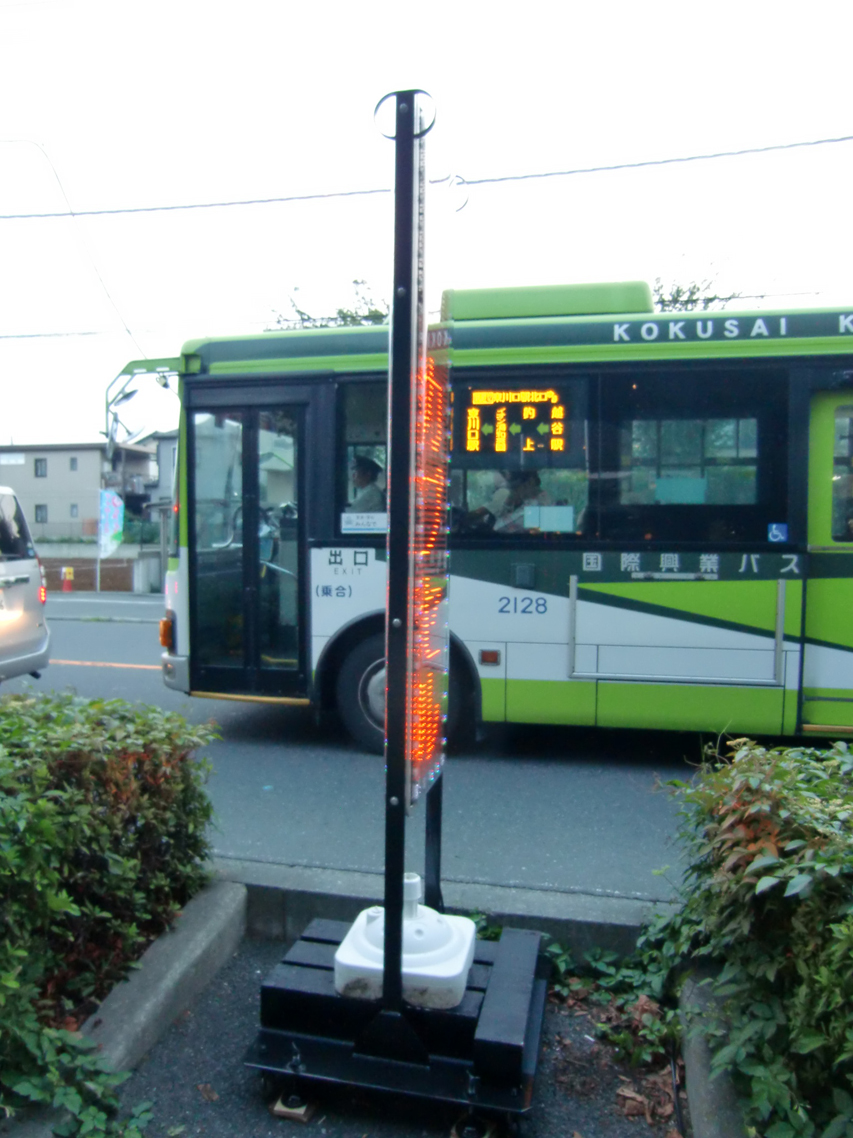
(500, 429)
(503, 422)
(473, 429)
(428, 656)
(489, 398)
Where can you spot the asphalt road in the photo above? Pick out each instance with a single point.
(552, 809)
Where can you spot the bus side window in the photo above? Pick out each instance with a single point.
(362, 456)
(693, 457)
(842, 476)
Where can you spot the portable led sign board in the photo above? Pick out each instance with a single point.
(428, 655)
(417, 649)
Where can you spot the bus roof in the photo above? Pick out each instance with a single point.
(551, 323)
(546, 300)
(361, 347)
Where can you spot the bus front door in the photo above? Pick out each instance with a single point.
(246, 556)
(828, 666)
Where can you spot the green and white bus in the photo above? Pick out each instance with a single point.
(651, 516)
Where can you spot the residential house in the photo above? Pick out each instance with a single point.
(59, 484)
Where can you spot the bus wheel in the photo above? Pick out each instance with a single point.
(361, 693)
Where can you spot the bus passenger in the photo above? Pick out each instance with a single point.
(369, 499)
(525, 489)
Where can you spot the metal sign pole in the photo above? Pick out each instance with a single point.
(403, 359)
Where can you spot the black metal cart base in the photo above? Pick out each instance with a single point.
(481, 1054)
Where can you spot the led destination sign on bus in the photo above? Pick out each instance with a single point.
(526, 421)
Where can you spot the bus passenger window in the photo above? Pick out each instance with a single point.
(688, 461)
(693, 455)
(842, 476)
(362, 458)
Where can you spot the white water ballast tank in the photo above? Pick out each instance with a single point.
(438, 951)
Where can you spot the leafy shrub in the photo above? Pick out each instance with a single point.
(103, 819)
(768, 899)
(769, 896)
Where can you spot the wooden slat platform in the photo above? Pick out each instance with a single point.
(482, 1052)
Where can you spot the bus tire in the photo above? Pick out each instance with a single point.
(360, 693)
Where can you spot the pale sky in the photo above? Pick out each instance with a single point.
(179, 102)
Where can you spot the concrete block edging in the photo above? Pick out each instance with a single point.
(716, 1111)
(171, 973)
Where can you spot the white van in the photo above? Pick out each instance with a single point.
(24, 635)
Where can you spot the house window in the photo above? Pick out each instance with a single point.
(73, 509)
(41, 512)
(41, 468)
(72, 465)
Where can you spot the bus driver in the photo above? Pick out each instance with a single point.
(369, 499)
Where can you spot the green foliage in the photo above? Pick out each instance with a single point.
(768, 897)
(486, 930)
(103, 819)
(699, 295)
(631, 1013)
(365, 310)
(768, 900)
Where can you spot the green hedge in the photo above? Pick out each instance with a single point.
(768, 896)
(103, 838)
(767, 901)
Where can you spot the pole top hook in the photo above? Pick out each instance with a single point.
(384, 113)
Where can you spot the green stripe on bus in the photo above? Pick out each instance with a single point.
(631, 353)
(183, 495)
(348, 364)
(746, 605)
(550, 701)
(829, 619)
(821, 447)
(493, 696)
(837, 712)
(690, 707)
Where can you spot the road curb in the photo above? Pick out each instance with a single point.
(172, 972)
(284, 898)
(716, 1110)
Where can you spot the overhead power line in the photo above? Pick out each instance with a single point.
(662, 161)
(80, 236)
(460, 180)
(51, 335)
(195, 205)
